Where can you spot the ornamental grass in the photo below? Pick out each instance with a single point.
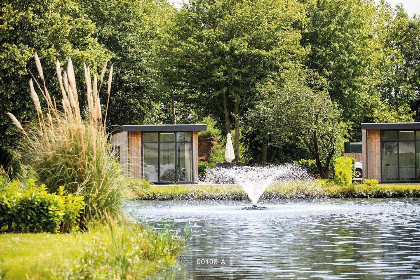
(69, 148)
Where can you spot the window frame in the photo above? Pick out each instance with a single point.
(176, 154)
(415, 141)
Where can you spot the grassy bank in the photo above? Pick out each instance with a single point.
(279, 190)
(117, 252)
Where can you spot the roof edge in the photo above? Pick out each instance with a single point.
(166, 127)
(404, 125)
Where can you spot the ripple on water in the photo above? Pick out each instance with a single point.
(325, 239)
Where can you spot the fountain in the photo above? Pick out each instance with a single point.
(312, 238)
(254, 180)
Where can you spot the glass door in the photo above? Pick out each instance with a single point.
(398, 156)
(167, 157)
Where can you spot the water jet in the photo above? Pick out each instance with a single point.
(254, 180)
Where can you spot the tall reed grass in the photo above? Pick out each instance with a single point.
(65, 149)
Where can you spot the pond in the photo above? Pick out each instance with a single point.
(320, 239)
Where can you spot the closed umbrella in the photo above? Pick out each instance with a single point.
(229, 153)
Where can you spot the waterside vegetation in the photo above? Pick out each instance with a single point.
(278, 190)
(67, 150)
(109, 251)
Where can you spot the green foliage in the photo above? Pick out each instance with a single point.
(63, 149)
(212, 130)
(370, 182)
(203, 167)
(179, 192)
(282, 190)
(119, 251)
(131, 30)
(296, 112)
(217, 154)
(123, 253)
(218, 60)
(73, 206)
(205, 60)
(309, 165)
(133, 187)
(400, 70)
(55, 29)
(344, 169)
(346, 50)
(36, 210)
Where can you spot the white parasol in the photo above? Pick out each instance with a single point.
(229, 153)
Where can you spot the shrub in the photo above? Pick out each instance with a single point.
(63, 149)
(212, 131)
(203, 166)
(133, 187)
(344, 171)
(309, 165)
(36, 210)
(371, 182)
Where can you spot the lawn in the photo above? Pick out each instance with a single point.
(116, 252)
(278, 190)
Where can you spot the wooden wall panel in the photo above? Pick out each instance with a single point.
(121, 140)
(356, 156)
(135, 154)
(195, 155)
(374, 154)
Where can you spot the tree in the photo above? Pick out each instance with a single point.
(400, 85)
(218, 51)
(130, 29)
(300, 110)
(346, 50)
(55, 29)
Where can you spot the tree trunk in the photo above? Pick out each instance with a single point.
(226, 114)
(317, 159)
(264, 153)
(328, 161)
(237, 133)
(173, 107)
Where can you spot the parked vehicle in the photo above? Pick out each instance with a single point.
(359, 170)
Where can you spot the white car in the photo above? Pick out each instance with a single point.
(359, 170)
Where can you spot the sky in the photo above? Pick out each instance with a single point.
(410, 6)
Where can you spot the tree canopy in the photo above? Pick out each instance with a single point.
(54, 29)
(279, 73)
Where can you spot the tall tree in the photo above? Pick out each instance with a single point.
(400, 87)
(300, 110)
(129, 29)
(55, 29)
(218, 51)
(345, 49)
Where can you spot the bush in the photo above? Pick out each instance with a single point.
(309, 165)
(63, 149)
(35, 210)
(370, 182)
(344, 170)
(203, 167)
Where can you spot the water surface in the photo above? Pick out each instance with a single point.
(321, 239)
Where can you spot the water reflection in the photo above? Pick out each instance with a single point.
(333, 239)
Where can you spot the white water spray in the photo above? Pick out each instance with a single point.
(254, 180)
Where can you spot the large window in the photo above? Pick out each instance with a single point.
(400, 155)
(167, 157)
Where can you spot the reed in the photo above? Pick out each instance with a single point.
(66, 150)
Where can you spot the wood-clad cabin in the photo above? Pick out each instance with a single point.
(391, 151)
(162, 154)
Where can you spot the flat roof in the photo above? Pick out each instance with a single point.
(166, 127)
(399, 126)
